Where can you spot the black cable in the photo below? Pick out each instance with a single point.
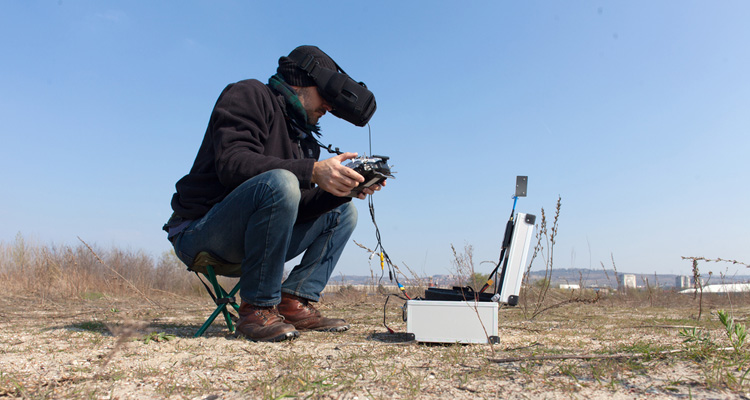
(379, 246)
(329, 148)
(385, 258)
(337, 151)
(384, 309)
(391, 271)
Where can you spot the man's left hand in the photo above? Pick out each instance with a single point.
(370, 190)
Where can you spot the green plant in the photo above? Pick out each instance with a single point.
(91, 326)
(736, 333)
(92, 295)
(720, 369)
(697, 342)
(478, 279)
(157, 337)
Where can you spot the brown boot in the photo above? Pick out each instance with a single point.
(264, 324)
(300, 313)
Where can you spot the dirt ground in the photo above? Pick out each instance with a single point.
(107, 348)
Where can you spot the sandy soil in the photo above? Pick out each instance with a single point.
(131, 349)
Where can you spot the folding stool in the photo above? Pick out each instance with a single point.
(210, 267)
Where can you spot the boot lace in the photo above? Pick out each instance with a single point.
(269, 314)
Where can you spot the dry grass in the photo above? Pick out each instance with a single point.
(124, 347)
(74, 327)
(52, 272)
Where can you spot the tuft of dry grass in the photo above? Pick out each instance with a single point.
(83, 271)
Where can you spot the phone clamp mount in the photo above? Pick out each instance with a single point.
(374, 169)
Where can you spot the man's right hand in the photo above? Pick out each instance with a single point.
(335, 178)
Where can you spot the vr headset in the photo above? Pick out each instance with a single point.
(351, 100)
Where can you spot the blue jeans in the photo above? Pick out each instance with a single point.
(255, 225)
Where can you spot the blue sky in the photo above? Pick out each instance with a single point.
(634, 113)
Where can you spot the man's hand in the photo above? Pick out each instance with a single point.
(370, 190)
(335, 178)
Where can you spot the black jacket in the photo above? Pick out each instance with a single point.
(249, 134)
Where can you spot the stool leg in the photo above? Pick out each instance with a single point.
(224, 311)
(232, 294)
(220, 307)
(210, 320)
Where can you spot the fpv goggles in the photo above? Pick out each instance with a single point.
(351, 100)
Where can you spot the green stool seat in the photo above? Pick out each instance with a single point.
(210, 266)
